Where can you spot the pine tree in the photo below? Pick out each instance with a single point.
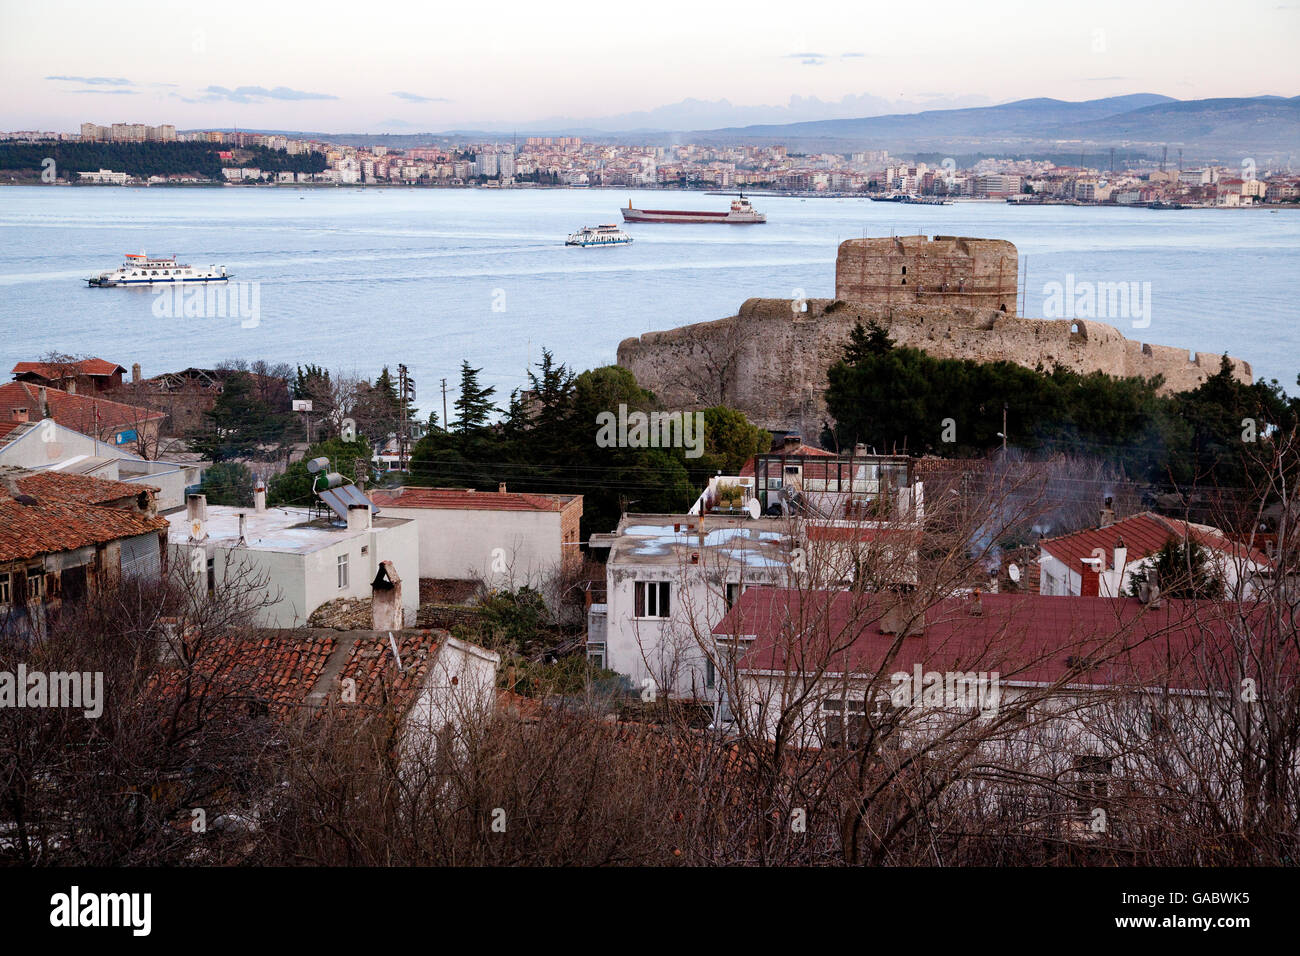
(474, 406)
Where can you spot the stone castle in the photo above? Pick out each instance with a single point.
(952, 297)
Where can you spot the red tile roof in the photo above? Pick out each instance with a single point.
(54, 370)
(461, 499)
(297, 671)
(1025, 637)
(82, 413)
(47, 513)
(1143, 535)
(79, 488)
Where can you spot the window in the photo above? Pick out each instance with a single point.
(651, 598)
(1093, 774)
(844, 721)
(6, 588)
(733, 595)
(710, 674)
(343, 570)
(35, 584)
(596, 655)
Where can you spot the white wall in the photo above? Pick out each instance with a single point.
(671, 651)
(298, 583)
(462, 544)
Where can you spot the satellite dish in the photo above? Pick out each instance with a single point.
(1013, 572)
(754, 508)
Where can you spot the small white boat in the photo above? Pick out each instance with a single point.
(605, 235)
(140, 269)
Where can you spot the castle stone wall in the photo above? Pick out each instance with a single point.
(770, 361)
(956, 299)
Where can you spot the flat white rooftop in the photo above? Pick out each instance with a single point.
(288, 530)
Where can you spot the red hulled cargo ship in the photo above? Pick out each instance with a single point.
(741, 213)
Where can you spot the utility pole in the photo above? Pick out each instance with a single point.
(405, 395)
(446, 425)
(1004, 429)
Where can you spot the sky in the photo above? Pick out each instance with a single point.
(421, 66)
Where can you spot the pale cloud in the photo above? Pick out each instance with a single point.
(417, 98)
(93, 80)
(259, 94)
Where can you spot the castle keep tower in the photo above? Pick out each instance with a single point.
(918, 270)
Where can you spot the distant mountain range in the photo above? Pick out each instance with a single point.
(1260, 127)
(1265, 128)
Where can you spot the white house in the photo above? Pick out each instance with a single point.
(1068, 689)
(668, 580)
(305, 560)
(1100, 562)
(503, 538)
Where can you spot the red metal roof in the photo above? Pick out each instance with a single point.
(1143, 535)
(461, 499)
(1025, 637)
(82, 413)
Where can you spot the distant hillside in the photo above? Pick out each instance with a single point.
(1264, 126)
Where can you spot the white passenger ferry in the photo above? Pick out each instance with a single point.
(606, 235)
(140, 269)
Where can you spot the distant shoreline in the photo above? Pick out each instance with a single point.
(711, 191)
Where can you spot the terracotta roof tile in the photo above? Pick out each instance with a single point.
(83, 413)
(53, 370)
(47, 513)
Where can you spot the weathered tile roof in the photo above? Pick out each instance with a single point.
(297, 671)
(46, 512)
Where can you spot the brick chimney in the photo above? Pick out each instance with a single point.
(19, 414)
(1090, 575)
(501, 488)
(135, 371)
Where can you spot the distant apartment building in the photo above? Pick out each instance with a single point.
(105, 177)
(127, 133)
(996, 185)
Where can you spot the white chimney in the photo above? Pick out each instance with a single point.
(196, 511)
(259, 496)
(358, 517)
(1121, 556)
(242, 519)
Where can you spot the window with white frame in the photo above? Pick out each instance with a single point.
(35, 583)
(6, 588)
(652, 599)
(343, 570)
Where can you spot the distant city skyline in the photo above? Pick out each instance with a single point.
(416, 68)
